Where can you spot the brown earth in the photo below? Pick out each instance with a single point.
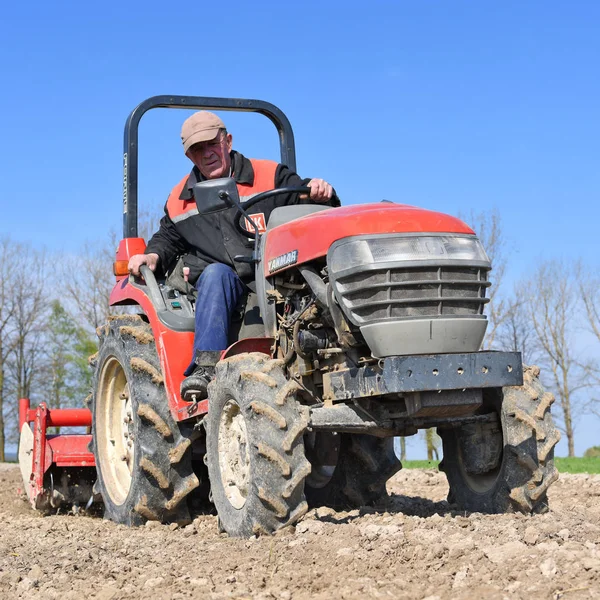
(420, 548)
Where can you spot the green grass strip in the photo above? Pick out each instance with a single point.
(564, 465)
(420, 464)
(578, 465)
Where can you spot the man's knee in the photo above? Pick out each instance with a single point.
(215, 273)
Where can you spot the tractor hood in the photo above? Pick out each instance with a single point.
(310, 237)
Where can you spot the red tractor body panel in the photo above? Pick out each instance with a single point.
(174, 347)
(313, 235)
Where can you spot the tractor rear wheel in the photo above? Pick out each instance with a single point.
(255, 447)
(143, 457)
(506, 466)
(364, 464)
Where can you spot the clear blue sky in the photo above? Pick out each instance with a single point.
(450, 105)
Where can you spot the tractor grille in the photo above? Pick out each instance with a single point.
(398, 293)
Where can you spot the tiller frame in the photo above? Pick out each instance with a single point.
(47, 460)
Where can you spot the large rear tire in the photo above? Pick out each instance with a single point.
(505, 467)
(254, 446)
(364, 465)
(143, 457)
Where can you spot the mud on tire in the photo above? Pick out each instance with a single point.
(143, 457)
(254, 446)
(506, 468)
(364, 465)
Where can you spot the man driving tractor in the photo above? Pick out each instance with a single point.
(209, 243)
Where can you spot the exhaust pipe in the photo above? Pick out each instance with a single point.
(316, 283)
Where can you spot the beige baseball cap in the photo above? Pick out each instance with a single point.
(200, 127)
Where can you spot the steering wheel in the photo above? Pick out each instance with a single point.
(262, 196)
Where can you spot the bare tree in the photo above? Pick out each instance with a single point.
(22, 312)
(432, 443)
(553, 309)
(589, 288)
(29, 318)
(67, 347)
(149, 221)
(516, 332)
(488, 227)
(87, 280)
(11, 268)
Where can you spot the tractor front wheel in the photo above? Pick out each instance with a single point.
(507, 465)
(254, 446)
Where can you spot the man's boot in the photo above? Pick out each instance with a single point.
(195, 386)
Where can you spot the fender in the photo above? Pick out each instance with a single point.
(174, 348)
(263, 345)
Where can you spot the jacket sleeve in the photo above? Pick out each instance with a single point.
(167, 243)
(284, 177)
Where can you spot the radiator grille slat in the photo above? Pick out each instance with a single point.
(407, 293)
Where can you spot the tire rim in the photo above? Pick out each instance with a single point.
(321, 474)
(115, 430)
(484, 482)
(234, 454)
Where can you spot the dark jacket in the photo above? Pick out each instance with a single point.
(205, 239)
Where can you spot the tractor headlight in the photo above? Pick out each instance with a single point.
(352, 253)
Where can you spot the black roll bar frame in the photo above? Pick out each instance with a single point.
(130, 142)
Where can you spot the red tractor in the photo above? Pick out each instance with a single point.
(366, 324)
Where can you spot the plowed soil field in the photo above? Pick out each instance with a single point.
(418, 548)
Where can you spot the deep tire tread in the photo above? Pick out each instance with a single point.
(276, 458)
(258, 377)
(278, 506)
(289, 389)
(154, 471)
(178, 452)
(297, 514)
(262, 408)
(298, 478)
(147, 412)
(295, 431)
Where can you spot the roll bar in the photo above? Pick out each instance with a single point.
(130, 142)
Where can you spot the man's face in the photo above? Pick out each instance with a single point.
(212, 157)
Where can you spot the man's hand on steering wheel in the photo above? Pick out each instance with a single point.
(320, 190)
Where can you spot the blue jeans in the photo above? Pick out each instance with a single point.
(219, 291)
